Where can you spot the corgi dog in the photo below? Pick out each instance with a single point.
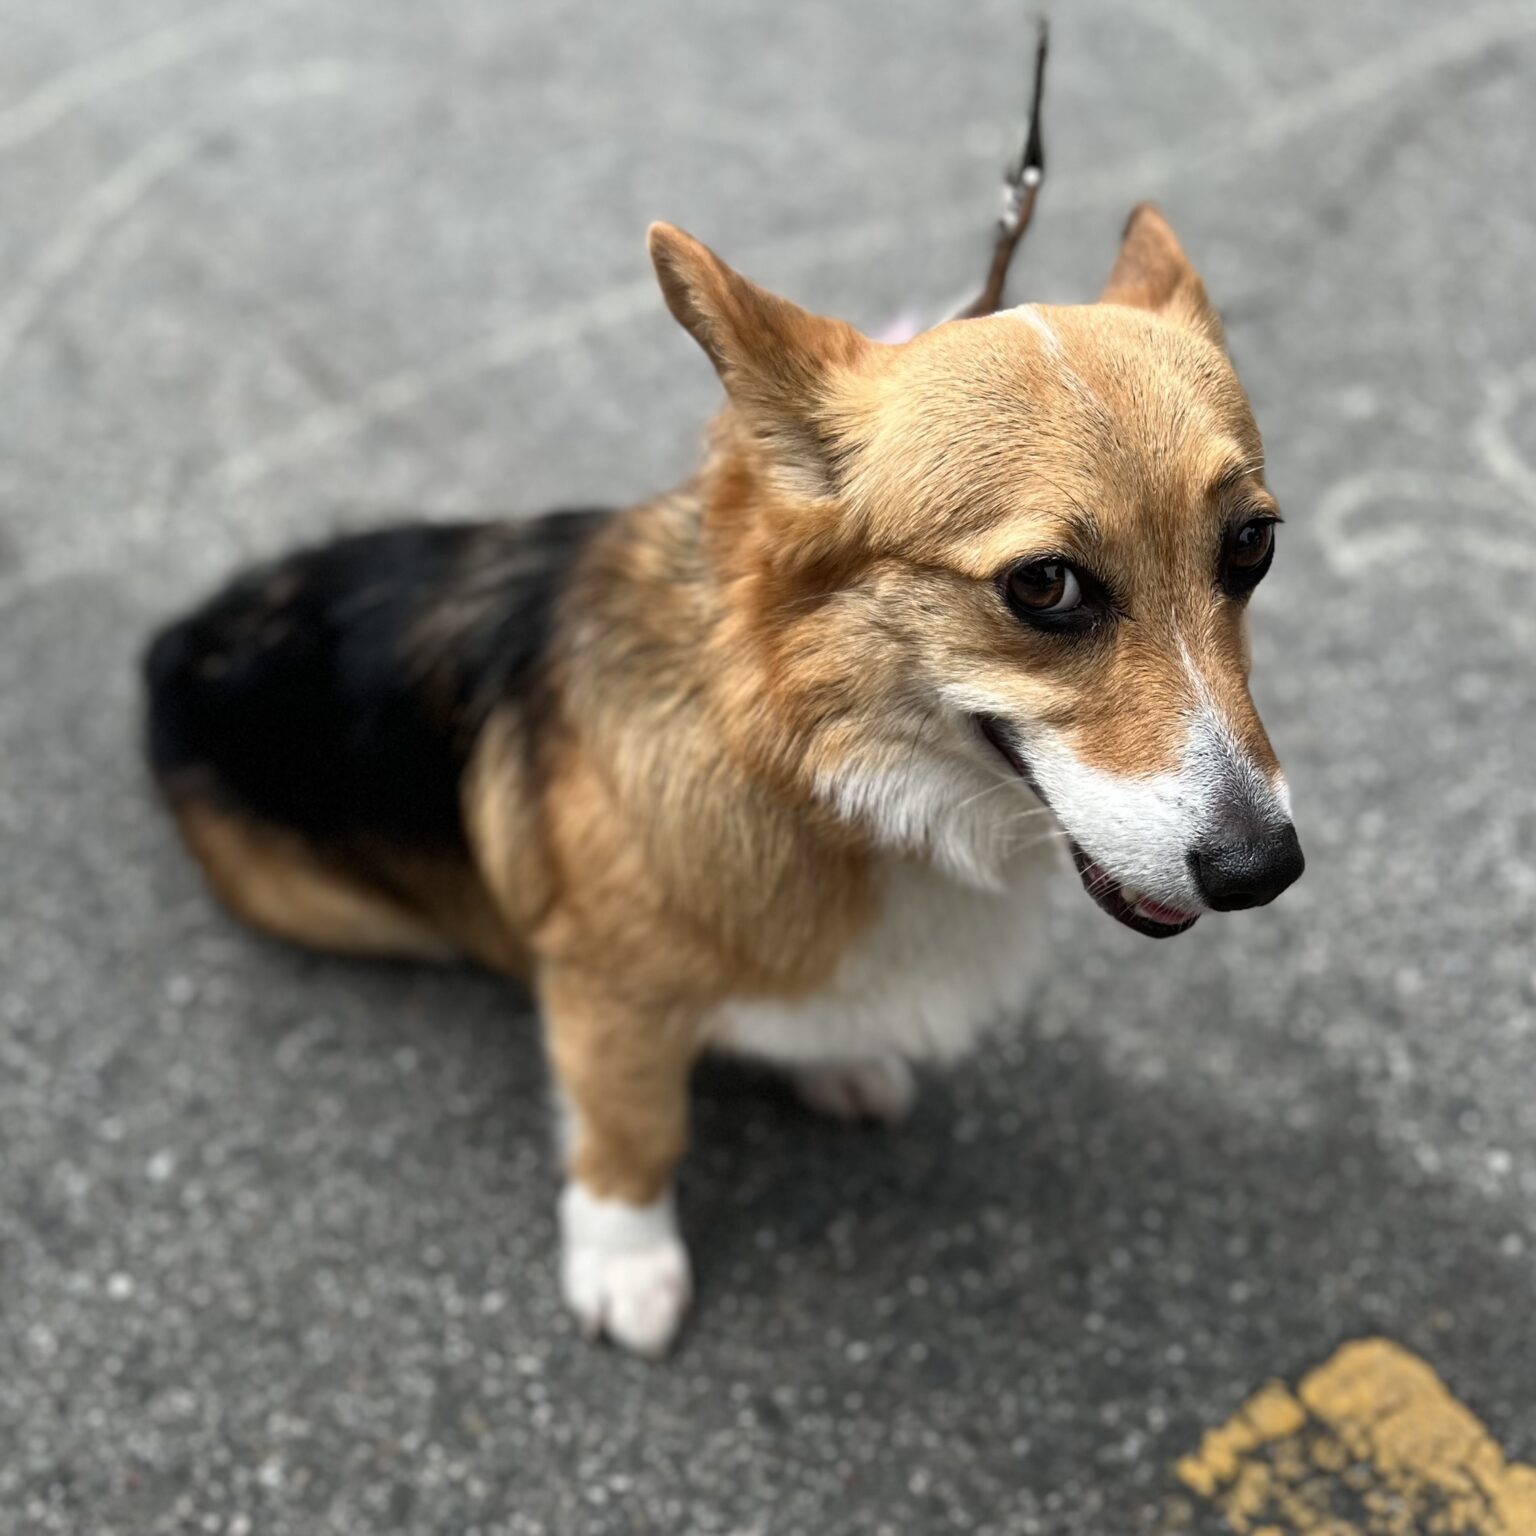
(780, 762)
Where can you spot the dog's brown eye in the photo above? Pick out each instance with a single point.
(1246, 555)
(1251, 544)
(1044, 587)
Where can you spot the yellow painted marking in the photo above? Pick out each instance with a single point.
(1370, 1444)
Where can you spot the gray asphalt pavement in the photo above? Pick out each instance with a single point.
(276, 1231)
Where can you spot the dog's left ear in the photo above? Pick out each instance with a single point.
(1152, 272)
(778, 362)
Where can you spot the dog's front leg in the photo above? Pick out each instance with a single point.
(623, 1072)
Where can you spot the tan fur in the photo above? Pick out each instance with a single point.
(275, 881)
(623, 1062)
(269, 878)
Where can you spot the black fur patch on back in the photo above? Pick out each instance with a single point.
(338, 691)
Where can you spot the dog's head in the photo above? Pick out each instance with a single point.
(1008, 559)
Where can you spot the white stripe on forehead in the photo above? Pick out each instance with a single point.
(1050, 344)
(1031, 316)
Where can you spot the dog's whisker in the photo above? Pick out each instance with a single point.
(1030, 817)
(1039, 841)
(992, 789)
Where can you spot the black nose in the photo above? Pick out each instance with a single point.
(1247, 868)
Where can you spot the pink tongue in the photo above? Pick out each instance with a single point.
(1161, 914)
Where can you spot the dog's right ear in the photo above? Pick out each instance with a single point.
(776, 360)
(1152, 272)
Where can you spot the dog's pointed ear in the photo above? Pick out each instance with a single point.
(1152, 272)
(778, 362)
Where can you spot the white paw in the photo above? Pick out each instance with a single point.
(882, 1089)
(623, 1269)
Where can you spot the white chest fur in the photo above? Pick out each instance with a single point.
(942, 962)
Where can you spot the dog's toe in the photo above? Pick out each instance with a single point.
(646, 1296)
(624, 1272)
(637, 1299)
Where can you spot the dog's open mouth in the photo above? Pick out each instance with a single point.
(1131, 907)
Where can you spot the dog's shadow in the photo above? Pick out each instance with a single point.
(1102, 1260)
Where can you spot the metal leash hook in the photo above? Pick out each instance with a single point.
(1021, 187)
